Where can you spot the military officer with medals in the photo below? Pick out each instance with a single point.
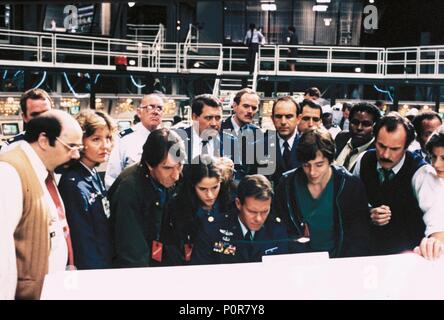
(248, 233)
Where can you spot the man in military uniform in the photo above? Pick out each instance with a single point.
(248, 233)
(32, 103)
(138, 198)
(246, 134)
(128, 146)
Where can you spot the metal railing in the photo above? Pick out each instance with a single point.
(216, 87)
(55, 50)
(192, 39)
(145, 32)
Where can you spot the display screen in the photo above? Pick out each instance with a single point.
(10, 129)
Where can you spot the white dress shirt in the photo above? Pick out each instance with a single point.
(11, 210)
(245, 229)
(126, 151)
(290, 142)
(196, 144)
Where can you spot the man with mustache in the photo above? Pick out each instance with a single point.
(240, 125)
(351, 144)
(394, 178)
(128, 145)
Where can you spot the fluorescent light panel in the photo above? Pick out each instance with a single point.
(268, 7)
(321, 8)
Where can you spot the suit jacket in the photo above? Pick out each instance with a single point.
(83, 195)
(242, 167)
(224, 242)
(279, 160)
(186, 135)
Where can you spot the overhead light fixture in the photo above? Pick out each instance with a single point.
(371, 1)
(320, 8)
(132, 62)
(327, 21)
(131, 4)
(323, 1)
(358, 69)
(268, 7)
(197, 64)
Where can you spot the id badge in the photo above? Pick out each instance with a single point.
(156, 251)
(105, 205)
(188, 251)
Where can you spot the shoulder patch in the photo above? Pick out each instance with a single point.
(125, 132)
(16, 138)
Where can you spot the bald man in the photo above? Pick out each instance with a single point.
(34, 238)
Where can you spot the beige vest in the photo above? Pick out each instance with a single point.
(32, 233)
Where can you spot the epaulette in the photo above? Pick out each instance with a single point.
(16, 138)
(125, 132)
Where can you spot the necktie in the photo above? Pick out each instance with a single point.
(386, 175)
(50, 185)
(347, 159)
(205, 146)
(248, 236)
(287, 155)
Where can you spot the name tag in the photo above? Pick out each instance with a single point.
(105, 205)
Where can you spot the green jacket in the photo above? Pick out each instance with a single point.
(136, 218)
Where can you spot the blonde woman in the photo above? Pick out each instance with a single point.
(84, 193)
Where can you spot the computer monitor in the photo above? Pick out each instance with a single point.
(10, 129)
(123, 124)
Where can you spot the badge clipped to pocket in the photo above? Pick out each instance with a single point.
(156, 251)
(188, 251)
(105, 204)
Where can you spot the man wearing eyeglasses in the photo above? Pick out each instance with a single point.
(202, 137)
(351, 144)
(128, 145)
(34, 236)
(32, 103)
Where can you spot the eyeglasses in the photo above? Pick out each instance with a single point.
(71, 146)
(315, 119)
(365, 123)
(151, 107)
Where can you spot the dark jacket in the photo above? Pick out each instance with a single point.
(83, 195)
(137, 218)
(351, 213)
(280, 166)
(224, 242)
(242, 163)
